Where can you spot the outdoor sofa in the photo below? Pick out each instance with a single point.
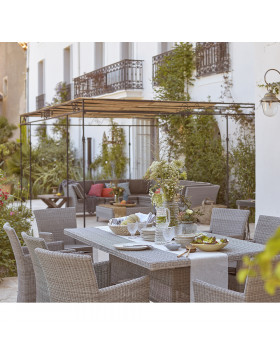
(139, 193)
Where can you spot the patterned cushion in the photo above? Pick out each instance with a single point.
(96, 190)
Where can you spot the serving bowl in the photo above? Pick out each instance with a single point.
(210, 247)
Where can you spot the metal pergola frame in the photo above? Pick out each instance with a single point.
(149, 110)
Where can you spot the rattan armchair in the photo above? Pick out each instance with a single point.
(52, 222)
(73, 278)
(254, 292)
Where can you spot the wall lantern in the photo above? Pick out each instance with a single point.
(270, 101)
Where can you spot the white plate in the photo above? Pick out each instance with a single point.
(132, 246)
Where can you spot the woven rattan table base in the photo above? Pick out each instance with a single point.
(168, 285)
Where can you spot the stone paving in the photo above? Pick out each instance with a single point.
(8, 286)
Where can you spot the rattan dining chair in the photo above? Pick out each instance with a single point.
(73, 278)
(42, 292)
(52, 222)
(254, 292)
(26, 278)
(229, 222)
(265, 228)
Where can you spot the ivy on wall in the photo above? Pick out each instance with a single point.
(194, 138)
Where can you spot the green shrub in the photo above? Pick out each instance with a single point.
(20, 218)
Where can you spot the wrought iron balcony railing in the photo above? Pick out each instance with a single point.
(211, 58)
(157, 62)
(40, 101)
(123, 75)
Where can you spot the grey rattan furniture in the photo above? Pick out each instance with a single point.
(254, 292)
(229, 222)
(25, 272)
(170, 276)
(52, 222)
(42, 293)
(197, 194)
(73, 278)
(265, 228)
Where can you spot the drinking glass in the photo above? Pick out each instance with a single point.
(132, 228)
(168, 233)
(141, 225)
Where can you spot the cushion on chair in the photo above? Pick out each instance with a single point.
(78, 190)
(107, 192)
(96, 190)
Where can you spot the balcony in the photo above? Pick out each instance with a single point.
(157, 62)
(40, 101)
(211, 58)
(123, 75)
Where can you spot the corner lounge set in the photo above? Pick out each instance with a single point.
(139, 193)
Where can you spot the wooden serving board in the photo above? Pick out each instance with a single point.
(118, 204)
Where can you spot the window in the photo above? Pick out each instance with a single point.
(99, 55)
(40, 99)
(126, 50)
(67, 70)
(41, 77)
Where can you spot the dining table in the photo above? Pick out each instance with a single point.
(170, 276)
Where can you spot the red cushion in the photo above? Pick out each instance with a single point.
(96, 190)
(107, 192)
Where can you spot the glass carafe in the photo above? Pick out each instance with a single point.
(162, 222)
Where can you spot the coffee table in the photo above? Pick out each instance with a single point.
(52, 200)
(107, 212)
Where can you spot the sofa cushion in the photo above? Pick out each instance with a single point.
(96, 190)
(79, 191)
(107, 192)
(138, 186)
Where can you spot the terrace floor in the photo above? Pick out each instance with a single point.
(8, 286)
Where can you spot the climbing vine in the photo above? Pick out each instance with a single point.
(194, 138)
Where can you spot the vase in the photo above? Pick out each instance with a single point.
(162, 222)
(188, 227)
(116, 198)
(173, 207)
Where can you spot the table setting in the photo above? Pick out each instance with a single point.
(211, 265)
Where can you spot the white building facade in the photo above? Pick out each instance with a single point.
(107, 76)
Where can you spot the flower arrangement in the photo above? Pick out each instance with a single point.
(166, 176)
(118, 191)
(187, 214)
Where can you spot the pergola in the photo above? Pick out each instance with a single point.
(149, 110)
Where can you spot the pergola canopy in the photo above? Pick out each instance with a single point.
(142, 109)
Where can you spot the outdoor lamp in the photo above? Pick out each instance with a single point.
(270, 101)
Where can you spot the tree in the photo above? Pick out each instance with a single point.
(112, 159)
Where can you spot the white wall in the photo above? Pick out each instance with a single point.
(267, 56)
(242, 58)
